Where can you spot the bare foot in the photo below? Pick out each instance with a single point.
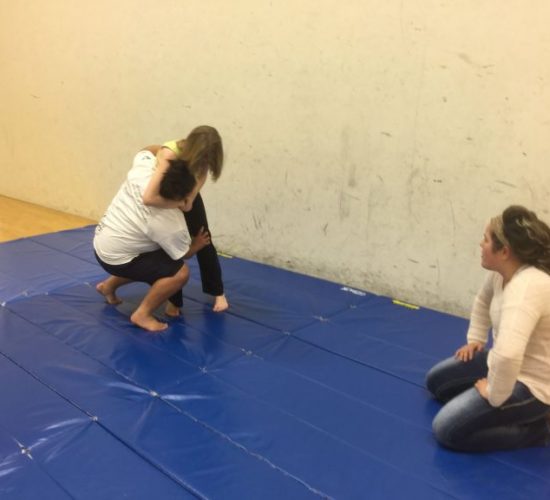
(147, 322)
(220, 304)
(171, 310)
(108, 293)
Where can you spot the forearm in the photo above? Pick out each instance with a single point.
(502, 376)
(198, 242)
(520, 313)
(151, 195)
(480, 322)
(155, 148)
(193, 249)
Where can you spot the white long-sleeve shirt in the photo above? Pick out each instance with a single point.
(519, 315)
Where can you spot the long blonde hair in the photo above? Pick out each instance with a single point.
(203, 150)
(525, 234)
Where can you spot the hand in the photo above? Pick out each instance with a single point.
(482, 387)
(466, 352)
(201, 239)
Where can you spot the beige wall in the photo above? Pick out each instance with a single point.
(367, 140)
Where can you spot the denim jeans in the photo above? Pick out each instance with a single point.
(467, 422)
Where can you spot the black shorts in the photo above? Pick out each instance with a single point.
(147, 267)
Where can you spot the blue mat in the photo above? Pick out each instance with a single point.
(304, 389)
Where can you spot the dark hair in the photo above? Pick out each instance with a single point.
(177, 181)
(527, 236)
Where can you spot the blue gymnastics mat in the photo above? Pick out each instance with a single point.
(303, 389)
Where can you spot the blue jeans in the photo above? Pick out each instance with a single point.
(467, 422)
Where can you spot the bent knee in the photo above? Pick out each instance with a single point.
(440, 378)
(435, 381)
(430, 382)
(440, 428)
(446, 431)
(182, 275)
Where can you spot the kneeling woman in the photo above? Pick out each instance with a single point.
(500, 399)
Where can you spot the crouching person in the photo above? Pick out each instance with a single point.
(134, 242)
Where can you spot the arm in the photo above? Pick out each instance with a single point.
(522, 308)
(480, 322)
(155, 148)
(151, 196)
(177, 240)
(198, 242)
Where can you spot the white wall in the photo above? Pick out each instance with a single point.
(367, 141)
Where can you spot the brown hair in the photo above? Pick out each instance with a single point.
(525, 234)
(203, 151)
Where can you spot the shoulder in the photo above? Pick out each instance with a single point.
(166, 220)
(532, 285)
(492, 281)
(170, 147)
(165, 153)
(143, 157)
(142, 167)
(532, 277)
(167, 214)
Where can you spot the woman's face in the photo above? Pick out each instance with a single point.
(490, 259)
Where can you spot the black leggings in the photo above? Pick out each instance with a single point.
(209, 264)
(148, 267)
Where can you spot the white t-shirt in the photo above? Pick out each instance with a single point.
(129, 228)
(520, 316)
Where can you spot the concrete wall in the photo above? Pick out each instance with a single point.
(367, 141)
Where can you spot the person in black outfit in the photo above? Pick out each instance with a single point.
(202, 149)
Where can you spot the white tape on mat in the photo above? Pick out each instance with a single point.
(353, 290)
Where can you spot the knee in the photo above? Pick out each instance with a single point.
(435, 378)
(451, 426)
(442, 430)
(440, 377)
(430, 381)
(182, 276)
